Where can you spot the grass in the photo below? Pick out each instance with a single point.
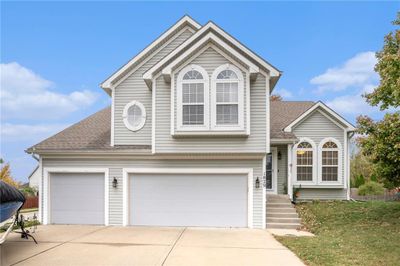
(348, 233)
(27, 225)
(29, 210)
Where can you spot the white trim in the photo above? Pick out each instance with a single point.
(172, 107)
(274, 189)
(179, 105)
(264, 194)
(248, 171)
(185, 20)
(347, 163)
(112, 115)
(40, 209)
(153, 118)
(248, 110)
(125, 115)
(267, 115)
(46, 189)
(314, 166)
(289, 169)
(167, 71)
(240, 101)
(348, 126)
(340, 165)
(211, 26)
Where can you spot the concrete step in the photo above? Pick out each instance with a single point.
(278, 201)
(281, 210)
(283, 220)
(279, 205)
(283, 226)
(282, 215)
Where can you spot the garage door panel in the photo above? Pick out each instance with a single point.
(77, 198)
(188, 200)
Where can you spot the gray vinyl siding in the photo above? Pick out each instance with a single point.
(282, 169)
(116, 165)
(317, 127)
(322, 194)
(256, 142)
(134, 88)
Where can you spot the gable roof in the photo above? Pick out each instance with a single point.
(283, 113)
(183, 22)
(328, 112)
(194, 40)
(91, 134)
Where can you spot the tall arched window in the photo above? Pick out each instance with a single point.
(227, 97)
(330, 160)
(304, 162)
(193, 97)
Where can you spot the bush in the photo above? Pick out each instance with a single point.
(359, 180)
(371, 188)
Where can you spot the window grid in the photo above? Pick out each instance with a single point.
(304, 162)
(330, 162)
(227, 102)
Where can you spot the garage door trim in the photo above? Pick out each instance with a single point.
(45, 190)
(127, 171)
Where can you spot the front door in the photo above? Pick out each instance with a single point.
(271, 171)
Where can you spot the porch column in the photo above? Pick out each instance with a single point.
(289, 175)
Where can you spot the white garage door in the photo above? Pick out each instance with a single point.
(77, 198)
(188, 200)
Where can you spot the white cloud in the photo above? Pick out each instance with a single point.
(353, 104)
(284, 93)
(358, 71)
(25, 94)
(23, 132)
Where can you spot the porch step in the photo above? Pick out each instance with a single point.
(282, 215)
(279, 205)
(281, 210)
(283, 225)
(283, 220)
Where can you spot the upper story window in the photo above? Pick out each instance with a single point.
(305, 161)
(227, 98)
(134, 115)
(192, 98)
(330, 162)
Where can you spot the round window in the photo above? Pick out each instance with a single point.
(134, 115)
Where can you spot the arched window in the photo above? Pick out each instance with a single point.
(227, 97)
(304, 162)
(330, 160)
(193, 97)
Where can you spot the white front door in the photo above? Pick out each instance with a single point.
(271, 172)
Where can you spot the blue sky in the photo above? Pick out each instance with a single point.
(54, 55)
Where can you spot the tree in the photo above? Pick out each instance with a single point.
(388, 92)
(275, 97)
(360, 165)
(380, 140)
(5, 175)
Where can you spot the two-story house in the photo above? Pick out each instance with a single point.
(192, 139)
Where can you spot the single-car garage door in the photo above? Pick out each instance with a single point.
(188, 200)
(77, 198)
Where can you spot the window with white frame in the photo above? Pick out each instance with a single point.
(329, 162)
(134, 115)
(304, 162)
(227, 97)
(193, 97)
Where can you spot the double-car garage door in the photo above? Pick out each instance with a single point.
(216, 200)
(188, 200)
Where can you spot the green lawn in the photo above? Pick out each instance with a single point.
(348, 233)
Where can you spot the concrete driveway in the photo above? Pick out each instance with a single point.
(99, 245)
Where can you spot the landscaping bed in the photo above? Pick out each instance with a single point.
(348, 233)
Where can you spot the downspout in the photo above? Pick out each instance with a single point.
(350, 134)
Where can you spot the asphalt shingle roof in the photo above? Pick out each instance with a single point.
(94, 132)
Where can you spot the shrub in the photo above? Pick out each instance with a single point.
(371, 188)
(359, 181)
